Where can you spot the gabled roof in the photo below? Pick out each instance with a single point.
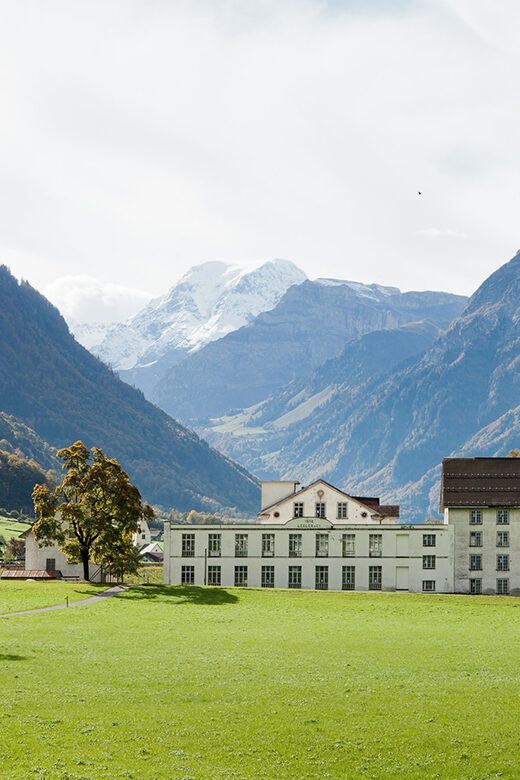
(480, 482)
(368, 503)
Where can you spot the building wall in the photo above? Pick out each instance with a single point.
(401, 554)
(144, 536)
(36, 560)
(310, 496)
(459, 518)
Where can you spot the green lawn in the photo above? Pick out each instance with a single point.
(180, 682)
(10, 527)
(16, 596)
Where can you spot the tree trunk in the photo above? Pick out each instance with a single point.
(84, 560)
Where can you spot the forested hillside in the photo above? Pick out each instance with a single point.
(57, 388)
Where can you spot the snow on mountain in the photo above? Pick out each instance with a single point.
(89, 333)
(209, 301)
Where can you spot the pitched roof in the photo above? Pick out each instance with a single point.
(480, 482)
(370, 502)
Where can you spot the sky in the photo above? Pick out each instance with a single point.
(140, 138)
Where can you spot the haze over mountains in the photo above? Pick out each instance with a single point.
(360, 384)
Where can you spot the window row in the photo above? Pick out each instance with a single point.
(320, 509)
(294, 577)
(502, 516)
(502, 561)
(476, 538)
(348, 543)
(502, 586)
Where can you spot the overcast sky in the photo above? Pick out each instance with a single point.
(139, 138)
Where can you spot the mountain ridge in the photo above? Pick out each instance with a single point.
(63, 393)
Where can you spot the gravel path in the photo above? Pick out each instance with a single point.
(106, 594)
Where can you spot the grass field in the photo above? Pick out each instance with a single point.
(10, 527)
(189, 682)
(16, 596)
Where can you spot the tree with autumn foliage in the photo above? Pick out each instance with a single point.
(93, 514)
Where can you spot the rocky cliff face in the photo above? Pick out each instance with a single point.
(461, 397)
(209, 301)
(310, 325)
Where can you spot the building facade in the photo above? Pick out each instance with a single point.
(317, 537)
(480, 498)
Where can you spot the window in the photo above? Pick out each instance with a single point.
(475, 517)
(348, 578)
(475, 586)
(295, 545)
(428, 586)
(298, 509)
(267, 545)
(188, 545)
(502, 516)
(143, 536)
(187, 575)
(320, 509)
(342, 510)
(428, 561)
(50, 564)
(349, 545)
(295, 576)
(322, 578)
(267, 576)
(475, 562)
(502, 538)
(375, 545)
(240, 576)
(214, 545)
(475, 538)
(502, 562)
(240, 545)
(502, 587)
(322, 545)
(429, 540)
(375, 577)
(214, 575)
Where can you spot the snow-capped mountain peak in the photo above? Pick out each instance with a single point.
(209, 301)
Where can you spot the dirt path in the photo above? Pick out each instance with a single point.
(106, 594)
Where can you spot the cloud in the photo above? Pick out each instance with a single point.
(137, 139)
(85, 299)
(434, 232)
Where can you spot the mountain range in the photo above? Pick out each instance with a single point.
(386, 431)
(363, 385)
(60, 392)
(209, 301)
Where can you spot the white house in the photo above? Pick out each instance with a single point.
(313, 537)
(51, 559)
(143, 537)
(480, 498)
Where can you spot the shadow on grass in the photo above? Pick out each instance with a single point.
(179, 594)
(11, 657)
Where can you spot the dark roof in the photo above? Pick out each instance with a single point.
(367, 500)
(32, 574)
(389, 510)
(480, 482)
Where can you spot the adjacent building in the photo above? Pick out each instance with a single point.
(315, 537)
(480, 498)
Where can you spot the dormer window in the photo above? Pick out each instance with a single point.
(298, 509)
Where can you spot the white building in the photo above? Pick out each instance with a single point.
(480, 498)
(313, 537)
(51, 559)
